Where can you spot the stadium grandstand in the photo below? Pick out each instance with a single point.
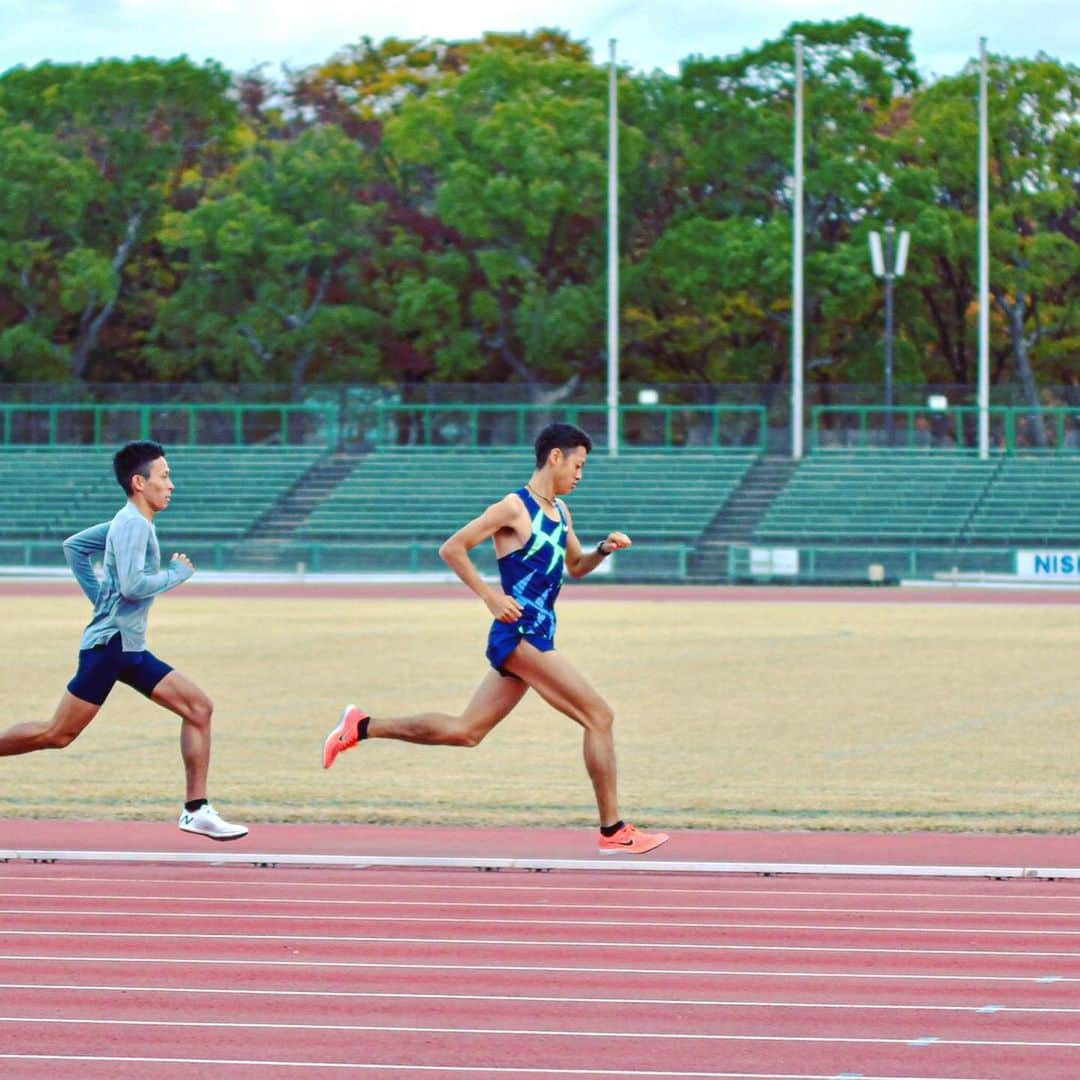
(283, 488)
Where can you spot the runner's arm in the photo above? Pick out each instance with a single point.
(78, 551)
(129, 544)
(580, 562)
(455, 553)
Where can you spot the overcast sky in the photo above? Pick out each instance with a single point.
(650, 33)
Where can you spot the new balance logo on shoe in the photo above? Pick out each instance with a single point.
(206, 821)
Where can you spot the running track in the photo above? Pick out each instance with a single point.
(116, 970)
(120, 970)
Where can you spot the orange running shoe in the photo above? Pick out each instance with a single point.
(630, 840)
(344, 736)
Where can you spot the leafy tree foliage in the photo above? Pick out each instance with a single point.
(425, 210)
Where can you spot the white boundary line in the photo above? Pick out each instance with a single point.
(184, 988)
(532, 1033)
(448, 1070)
(479, 862)
(546, 969)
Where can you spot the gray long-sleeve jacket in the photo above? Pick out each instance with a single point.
(133, 576)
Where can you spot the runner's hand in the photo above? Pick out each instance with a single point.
(504, 608)
(182, 558)
(616, 540)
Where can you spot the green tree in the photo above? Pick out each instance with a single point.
(1034, 183)
(141, 126)
(269, 265)
(736, 175)
(515, 149)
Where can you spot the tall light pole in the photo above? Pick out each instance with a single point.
(889, 263)
(984, 261)
(797, 230)
(613, 260)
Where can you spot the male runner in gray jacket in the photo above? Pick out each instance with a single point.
(113, 647)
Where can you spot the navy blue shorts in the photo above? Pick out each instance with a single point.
(103, 666)
(504, 638)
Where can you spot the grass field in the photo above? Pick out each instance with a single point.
(778, 715)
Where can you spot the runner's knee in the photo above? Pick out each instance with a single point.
(467, 736)
(599, 716)
(58, 739)
(198, 711)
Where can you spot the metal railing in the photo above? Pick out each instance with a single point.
(652, 562)
(863, 563)
(470, 425)
(915, 427)
(174, 424)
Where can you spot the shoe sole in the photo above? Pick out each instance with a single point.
(210, 836)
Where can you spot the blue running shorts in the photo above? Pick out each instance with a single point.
(103, 666)
(504, 638)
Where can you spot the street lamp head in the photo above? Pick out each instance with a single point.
(877, 256)
(902, 253)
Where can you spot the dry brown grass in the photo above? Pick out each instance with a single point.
(789, 715)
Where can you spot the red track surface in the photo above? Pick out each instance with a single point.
(154, 969)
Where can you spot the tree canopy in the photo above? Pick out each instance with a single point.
(422, 210)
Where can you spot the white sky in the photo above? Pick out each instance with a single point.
(651, 33)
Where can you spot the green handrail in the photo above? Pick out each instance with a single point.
(954, 427)
(466, 431)
(93, 417)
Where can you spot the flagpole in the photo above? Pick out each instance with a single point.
(797, 266)
(613, 260)
(984, 260)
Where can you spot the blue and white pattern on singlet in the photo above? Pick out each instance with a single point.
(533, 576)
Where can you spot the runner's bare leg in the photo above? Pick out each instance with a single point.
(563, 687)
(493, 700)
(67, 723)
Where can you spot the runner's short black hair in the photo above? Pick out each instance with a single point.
(564, 437)
(135, 457)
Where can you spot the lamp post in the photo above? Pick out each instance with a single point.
(889, 261)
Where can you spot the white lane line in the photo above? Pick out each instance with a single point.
(617, 866)
(540, 905)
(527, 921)
(185, 990)
(374, 965)
(541, 944)
(530, 1033)
(769, 887)
(472, 1070)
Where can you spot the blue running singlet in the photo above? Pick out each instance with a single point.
(532, 575)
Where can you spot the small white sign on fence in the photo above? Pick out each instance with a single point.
(774, 562)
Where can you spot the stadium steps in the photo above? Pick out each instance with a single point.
(281, 521)
(734, 521)
(981, 500)
(1032, 503)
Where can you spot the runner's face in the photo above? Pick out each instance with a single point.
(568, 466)
(157, 488)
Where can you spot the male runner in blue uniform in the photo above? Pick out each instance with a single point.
(113, 647)
(534, 541)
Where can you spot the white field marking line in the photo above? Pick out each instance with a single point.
(618, 864)
(767, 888)
(528, 921)
(374, 965)
(539, 905)
(472, 1070)
(212, 991)
(532, 1033)
(542, 944)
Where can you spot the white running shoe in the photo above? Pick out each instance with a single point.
(206, 821)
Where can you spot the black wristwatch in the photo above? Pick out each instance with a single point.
(600, 549)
